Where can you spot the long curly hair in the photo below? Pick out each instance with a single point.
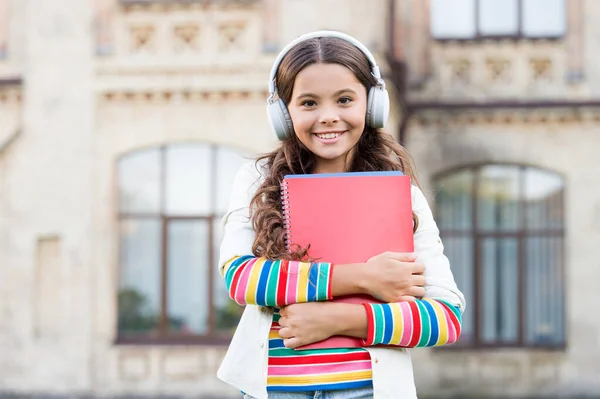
(375, 150)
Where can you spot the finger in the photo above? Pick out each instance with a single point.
(407, 298)
(285, 333)
(291, 343)
(418, 280)
(418, 268)
(283, 321)
(402, 256)
(418, 292)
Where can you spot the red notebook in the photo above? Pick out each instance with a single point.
(348, 218)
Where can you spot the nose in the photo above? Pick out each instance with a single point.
(329, 117)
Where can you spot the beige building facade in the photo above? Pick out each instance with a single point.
(122, 123)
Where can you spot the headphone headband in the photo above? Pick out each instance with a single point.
(322, 33)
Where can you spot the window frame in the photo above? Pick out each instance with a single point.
(518, 36)
(164, 337)
(520, 234)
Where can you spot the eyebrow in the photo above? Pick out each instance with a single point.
(337, 93)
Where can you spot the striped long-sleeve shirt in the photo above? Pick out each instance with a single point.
(425, 322)
(258, 281)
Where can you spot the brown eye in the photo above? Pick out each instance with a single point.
(345, 100)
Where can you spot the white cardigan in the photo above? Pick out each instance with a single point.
(245, 364)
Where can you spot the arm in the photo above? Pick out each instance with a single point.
(435, 320)
(408, 324)
(259, 281)
(425, 322)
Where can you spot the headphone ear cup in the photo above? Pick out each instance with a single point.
(378, 107)
(280, 120)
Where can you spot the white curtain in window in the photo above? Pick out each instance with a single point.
(229, 162)
(499, 321)
(543, 18)
(139, 182)
(498, 196)
(453, 19)
(459, 251)
(497, 18)
(188, 173)
(544, 316)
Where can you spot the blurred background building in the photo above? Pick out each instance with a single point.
(122, 123)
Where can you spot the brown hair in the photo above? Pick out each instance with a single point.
(376, 150)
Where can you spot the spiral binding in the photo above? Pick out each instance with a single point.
(285, 204)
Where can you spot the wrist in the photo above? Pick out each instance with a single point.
(348, 319)
(362, 278)
(349, 279)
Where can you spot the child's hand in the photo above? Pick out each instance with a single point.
(395, 277)
(306, 323)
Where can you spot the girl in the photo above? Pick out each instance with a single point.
(326, 105)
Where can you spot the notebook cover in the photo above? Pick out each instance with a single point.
(348, 218)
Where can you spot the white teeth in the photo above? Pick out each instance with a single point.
(329, 135)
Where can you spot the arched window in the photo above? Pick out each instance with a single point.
(170, 202)
(503, 230)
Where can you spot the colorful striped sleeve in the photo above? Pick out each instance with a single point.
(425, 322)
(259, 281)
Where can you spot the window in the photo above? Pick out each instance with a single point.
(503, 230)
(171, 201)
(476, 19)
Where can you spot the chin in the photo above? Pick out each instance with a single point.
(331, 157)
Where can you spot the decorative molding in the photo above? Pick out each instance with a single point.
(230, 36)
(461, 70)
(536, 116)
(244, 68)
(177, 5)
(498, 70)
(172, 96)
(186, 37)
(541, 69)
(142, 39)
(206, 35)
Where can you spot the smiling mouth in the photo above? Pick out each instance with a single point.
(329, 136)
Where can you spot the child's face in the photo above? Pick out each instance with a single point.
(328, 109)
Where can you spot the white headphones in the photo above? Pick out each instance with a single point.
(378, 103)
